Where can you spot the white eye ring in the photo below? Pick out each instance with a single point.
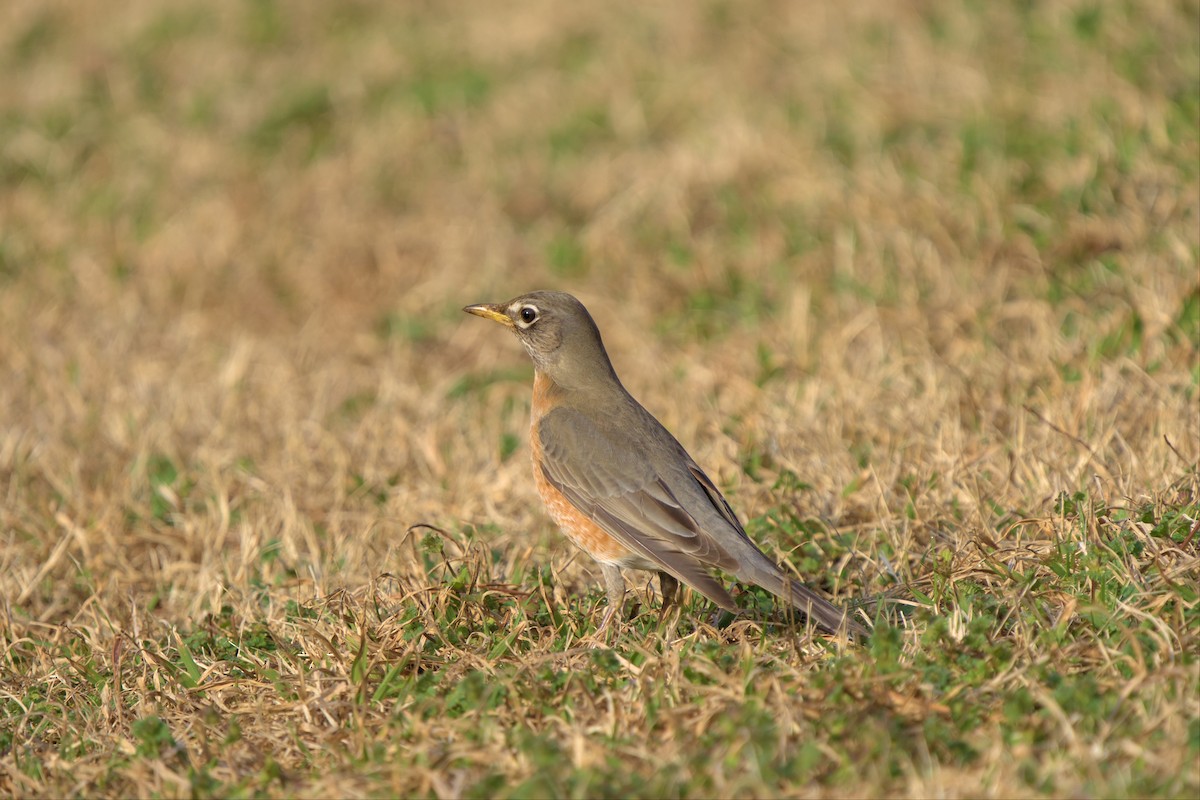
(527, 315)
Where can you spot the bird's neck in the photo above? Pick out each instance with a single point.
(545, 394)
(549, 393)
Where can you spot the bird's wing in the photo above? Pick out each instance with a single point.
(716, 498)
(603, 476)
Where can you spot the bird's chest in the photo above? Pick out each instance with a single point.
(578, 527)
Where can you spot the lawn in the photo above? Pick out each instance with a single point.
(918, 284)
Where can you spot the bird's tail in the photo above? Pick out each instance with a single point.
(822, 612)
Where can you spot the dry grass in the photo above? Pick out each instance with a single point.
(918, 283)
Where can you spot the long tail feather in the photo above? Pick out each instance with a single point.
(822, 612)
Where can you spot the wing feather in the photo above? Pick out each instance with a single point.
(628, 500)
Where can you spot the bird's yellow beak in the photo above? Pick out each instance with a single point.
(492, 311)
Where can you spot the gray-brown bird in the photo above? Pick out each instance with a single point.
(618, 483)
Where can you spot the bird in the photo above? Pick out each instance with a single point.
(616, 481)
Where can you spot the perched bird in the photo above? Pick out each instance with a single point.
(618, 483)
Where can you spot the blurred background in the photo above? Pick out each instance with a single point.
(235, 239)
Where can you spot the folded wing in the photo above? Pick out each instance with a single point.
(630, 501)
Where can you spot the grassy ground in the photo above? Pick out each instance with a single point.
(916, 282)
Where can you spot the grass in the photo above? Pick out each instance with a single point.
(918, 284)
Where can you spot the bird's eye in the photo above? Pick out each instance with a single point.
(529, 315)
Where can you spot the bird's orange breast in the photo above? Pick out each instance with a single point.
(587, 535)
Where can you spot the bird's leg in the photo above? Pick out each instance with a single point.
(668, 585)
(614, 585)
